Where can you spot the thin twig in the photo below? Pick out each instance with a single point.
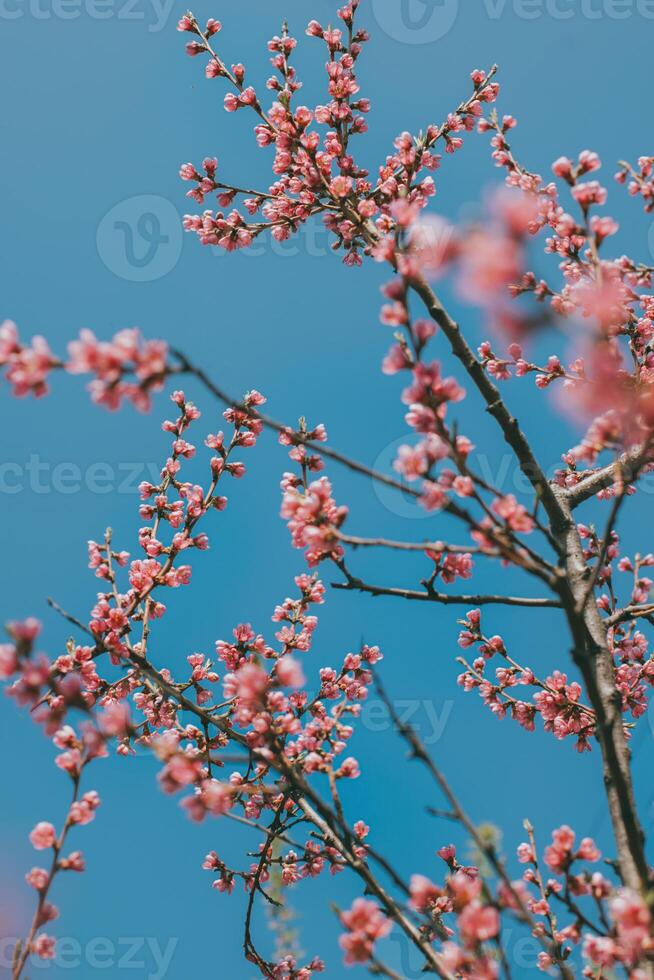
(430, 595)
(420, 753)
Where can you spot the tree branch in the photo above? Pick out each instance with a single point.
(595, 662)
(447, 600)
(420, 753)
(187, 367)
(491, 395)
(627, 467)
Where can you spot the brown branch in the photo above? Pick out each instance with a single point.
(549, 915)
(187, 367)
(379, 969)
(630, 612)
(392, 908)
(627, 467)
(319, 448)
(528, 559)
(331, 826)
(440, 546)
(601, 558)
(491, 395)
(431, 595)
(590, 653)
(595, 662)
(419, 752)
(23, 955)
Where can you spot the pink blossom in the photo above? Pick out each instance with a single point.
(43, 836)
(8, 660)
(28, 368)
(423, 892)
(515, 514)
(478, 922)
(44, 947)
(289, 672)
(38, 878)
(365, 923)
(587, 194)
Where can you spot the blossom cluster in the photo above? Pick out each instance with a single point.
(557, 699)
(608, 380)
(252, 732)
(316, 173)
(124, 368)
(622, 934)
(29, 671)
(285, 733)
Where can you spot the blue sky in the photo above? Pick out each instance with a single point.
(103, 107)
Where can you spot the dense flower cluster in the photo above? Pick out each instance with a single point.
(27, 366)
(557, 700)
(32, 670)
(365, 923)
(477, 916)
(125, 368)
(610, 371)
(639, 181)
(313, 516)
(285, 733)
(622, 934)
(315, 171)
(114, 362)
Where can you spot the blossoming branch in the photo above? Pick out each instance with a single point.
(257, 733)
